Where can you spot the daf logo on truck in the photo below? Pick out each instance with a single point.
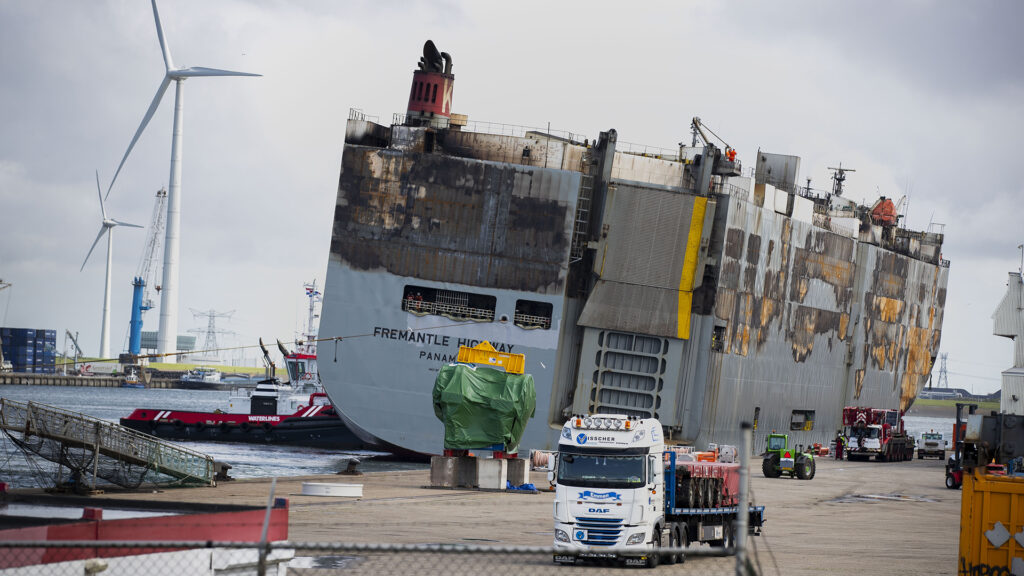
(599, 510)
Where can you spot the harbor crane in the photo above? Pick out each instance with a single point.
(147, 272)
(714, 161)
(78, 349)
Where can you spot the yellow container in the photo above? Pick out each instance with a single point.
(484, 353)
(991, 524)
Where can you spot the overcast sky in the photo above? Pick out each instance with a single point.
(922, 98)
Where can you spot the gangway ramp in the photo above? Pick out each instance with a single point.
(92, 447)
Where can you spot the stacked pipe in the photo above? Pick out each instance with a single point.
(706, 484)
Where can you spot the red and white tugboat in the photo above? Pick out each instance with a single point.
(297, 413)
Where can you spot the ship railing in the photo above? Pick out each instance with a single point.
(503, 129)
(647, 151)
(453, 311)
(730, 189)
(357, 114)
(529, 321)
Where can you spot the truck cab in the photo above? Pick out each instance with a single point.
(866, 440)
(609, 487)
(931, 444)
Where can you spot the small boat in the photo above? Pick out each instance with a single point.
(131, 380)
(201, 377)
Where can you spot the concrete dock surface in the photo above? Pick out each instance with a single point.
(852, 518)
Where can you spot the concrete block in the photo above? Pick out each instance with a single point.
(492, 473)
(453, 472)
(518, 471)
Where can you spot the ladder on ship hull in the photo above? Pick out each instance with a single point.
(90, 446)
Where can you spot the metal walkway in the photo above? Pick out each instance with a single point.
(52, 433)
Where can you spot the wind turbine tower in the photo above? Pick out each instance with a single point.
(167, 334)
(106, 227)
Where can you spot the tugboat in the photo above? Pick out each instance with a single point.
(270, 413)
(298, 413)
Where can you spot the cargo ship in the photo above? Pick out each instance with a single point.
(655, 283)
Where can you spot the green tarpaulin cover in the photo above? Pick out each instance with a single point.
(481, 406)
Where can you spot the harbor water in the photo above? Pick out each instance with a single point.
(246, 460)
(111, 404)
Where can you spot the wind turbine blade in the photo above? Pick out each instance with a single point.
(100, 194)
(168, 62)
(119, 223)
(145, 120)
(199, 71)
(94, 243)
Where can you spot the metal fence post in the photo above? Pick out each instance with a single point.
(261, 566)
(743, 515)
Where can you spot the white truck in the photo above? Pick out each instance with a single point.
(931, 444)
(619, 495)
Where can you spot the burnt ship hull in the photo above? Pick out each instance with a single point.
(654, 284)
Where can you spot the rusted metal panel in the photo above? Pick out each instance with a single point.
(798, 302)
(444, 218)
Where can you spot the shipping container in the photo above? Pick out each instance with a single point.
(991, 524)
(22, 333)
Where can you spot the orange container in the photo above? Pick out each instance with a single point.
(991, 524)
(706, 457)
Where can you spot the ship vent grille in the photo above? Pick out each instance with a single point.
(628, 374)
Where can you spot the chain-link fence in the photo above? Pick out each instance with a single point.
(320, 559)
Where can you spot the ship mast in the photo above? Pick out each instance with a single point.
(308, 343)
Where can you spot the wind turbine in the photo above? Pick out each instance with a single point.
(106, 227)
(167, 335)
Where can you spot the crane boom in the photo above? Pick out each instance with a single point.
(147, 271)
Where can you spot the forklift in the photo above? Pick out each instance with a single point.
(955, 466)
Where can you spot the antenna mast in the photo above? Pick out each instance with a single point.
(308, 345)
(838, 177)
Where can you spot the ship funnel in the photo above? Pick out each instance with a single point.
(430, 100)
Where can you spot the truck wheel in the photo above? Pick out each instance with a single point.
(770, 466)
(811, 469)
(801, 469)
(950, 482)
(673, 542)
(654, 556)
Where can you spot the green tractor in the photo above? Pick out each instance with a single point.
(780, 459)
